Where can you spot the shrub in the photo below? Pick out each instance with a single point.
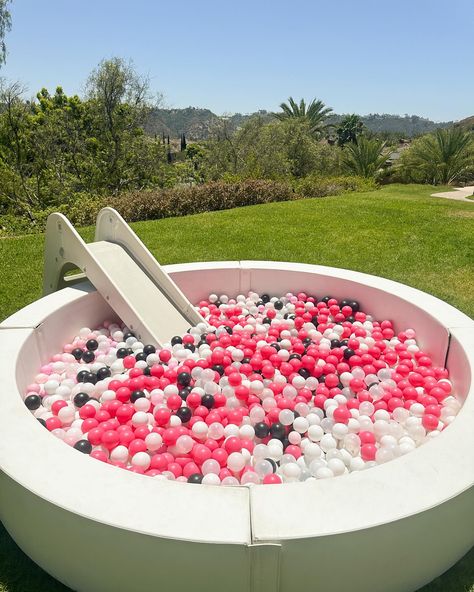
(317, 186)
(185, 200)
(443, 157)
(366, 158)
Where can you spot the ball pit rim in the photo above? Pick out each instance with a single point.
(262, 528)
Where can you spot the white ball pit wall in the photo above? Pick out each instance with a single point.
(98, 528)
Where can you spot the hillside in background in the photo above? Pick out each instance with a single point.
(197, 123)
(466, 124)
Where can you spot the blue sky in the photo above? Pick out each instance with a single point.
(363, 56)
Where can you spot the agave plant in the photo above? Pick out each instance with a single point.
(366, 158)
(315, 113)
(441, 157)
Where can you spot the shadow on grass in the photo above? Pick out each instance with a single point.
(460, 578)
(19, 574)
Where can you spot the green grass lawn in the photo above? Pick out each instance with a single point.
(398, 232)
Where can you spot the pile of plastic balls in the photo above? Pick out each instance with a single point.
(270, 390)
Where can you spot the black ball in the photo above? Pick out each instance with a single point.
(344, 342)
(307, 341)
(184, 378)
(354, 305)
(335, 343)
(195, 478)
(103, 373)
(276, 346)
(218, 368)
(228, 329)
(294, 357)
(184, 392)
(350, 319)
(273, 463)
(278, 305)
(81, 399)
(33, 402)
(207, 401)
(122, 352)
(42, 421)
(128, 334)
(83, 446)
(92, 345)
(130, 351)
(176, 339)
(325, 299)
(190, 346)
(140, 357)
(278, 430)
(348, 353)
(88, 356)
(265, 298)
(136, 395)
(184, 414)
(147, 371)
(304, 373)
(344, 302)
(261, 429)
(92, 378)
(149, 349)
(245, 360)
(82, 376)
(266, 321)
(77, 353)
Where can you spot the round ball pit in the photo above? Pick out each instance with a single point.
(394, 527)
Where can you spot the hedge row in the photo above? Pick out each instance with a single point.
(185, 200)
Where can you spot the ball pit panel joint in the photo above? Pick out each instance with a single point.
(264, 567)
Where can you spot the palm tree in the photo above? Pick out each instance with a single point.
(365, 158)
(315, 113)
(441, 157)
(349, 128)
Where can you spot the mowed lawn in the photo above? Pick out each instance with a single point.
(398, 232)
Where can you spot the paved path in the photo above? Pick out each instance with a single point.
(459, 194)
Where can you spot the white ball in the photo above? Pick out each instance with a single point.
(337, 466)
(327, 442)
(236, 461)
(153, 441)
(141, 459)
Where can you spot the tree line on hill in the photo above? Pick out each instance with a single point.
(197, 124)
(58, 150)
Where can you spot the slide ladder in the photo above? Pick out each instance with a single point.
(125, 273)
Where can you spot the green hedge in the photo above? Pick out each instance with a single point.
(183, 200)
(317, 186)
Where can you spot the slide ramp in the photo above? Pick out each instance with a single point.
(124, 271)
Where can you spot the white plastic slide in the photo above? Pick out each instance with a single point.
(124, 271)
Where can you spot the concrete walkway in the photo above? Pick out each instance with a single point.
(459, 194)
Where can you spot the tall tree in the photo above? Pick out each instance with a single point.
(349, 128)
(122, 102)
(5, 26)
(315, 114)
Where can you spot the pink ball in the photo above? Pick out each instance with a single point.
(368, 451)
